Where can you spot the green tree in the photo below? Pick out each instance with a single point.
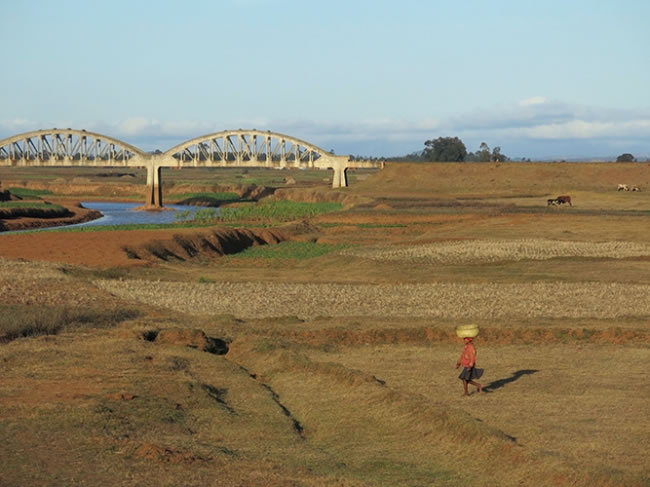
(484, 153)
(626, 157)
(497, 156)
(445, 149)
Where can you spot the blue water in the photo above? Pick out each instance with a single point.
(125, 214)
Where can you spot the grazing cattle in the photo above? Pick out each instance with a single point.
(563, 199)
(551, 202)
(625, 187)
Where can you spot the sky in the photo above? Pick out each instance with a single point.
(548, 79)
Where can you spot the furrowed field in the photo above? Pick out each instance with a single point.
(304, 336)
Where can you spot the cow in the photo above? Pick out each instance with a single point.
(635, 188)
(551, 202)
(563, 199)
(622, 187)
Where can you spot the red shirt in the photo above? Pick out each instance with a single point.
(468, 357)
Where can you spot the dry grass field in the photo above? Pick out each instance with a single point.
(338, 368)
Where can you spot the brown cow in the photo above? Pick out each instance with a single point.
(563, 199)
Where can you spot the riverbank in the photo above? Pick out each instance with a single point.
(128, 248)
(70, 213)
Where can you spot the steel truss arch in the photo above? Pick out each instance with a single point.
(71, 147)
(247, 147)
(66, 147)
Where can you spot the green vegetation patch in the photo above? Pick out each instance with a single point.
(29, 194)
(256, 181)
(202, 215)
(29, 204)
(289, 250)
(382, 225)
(131, 226)
(394, 472)
(224, 196)
(277, 211)
(18, 321)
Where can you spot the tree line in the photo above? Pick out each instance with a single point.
(452, 149)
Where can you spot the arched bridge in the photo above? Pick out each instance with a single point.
(65, 147)
(250, 148)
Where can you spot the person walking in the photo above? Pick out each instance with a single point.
(470, 372)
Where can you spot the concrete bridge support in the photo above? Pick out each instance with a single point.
(154, 199)
(340, 179)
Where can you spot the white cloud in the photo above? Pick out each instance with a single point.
(552, 120)
(582, 129)
(532, 122)
(533, 100)
(17, 125)
(136, 126)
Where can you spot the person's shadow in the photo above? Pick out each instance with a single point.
(498, 384)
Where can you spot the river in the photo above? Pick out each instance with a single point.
(125, 214)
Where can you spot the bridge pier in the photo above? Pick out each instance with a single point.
(154, 198)
(340, 179)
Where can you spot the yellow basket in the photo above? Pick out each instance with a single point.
(464, 331)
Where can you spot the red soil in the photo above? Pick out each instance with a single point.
(105, 249)
(92, 249)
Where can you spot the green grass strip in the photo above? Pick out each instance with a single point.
(277, 211)
(382, 225)
(227, 196)
(26, 193)
(29, 204)
(132, 226)
(288, 250)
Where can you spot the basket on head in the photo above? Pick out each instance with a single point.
(464, 331)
